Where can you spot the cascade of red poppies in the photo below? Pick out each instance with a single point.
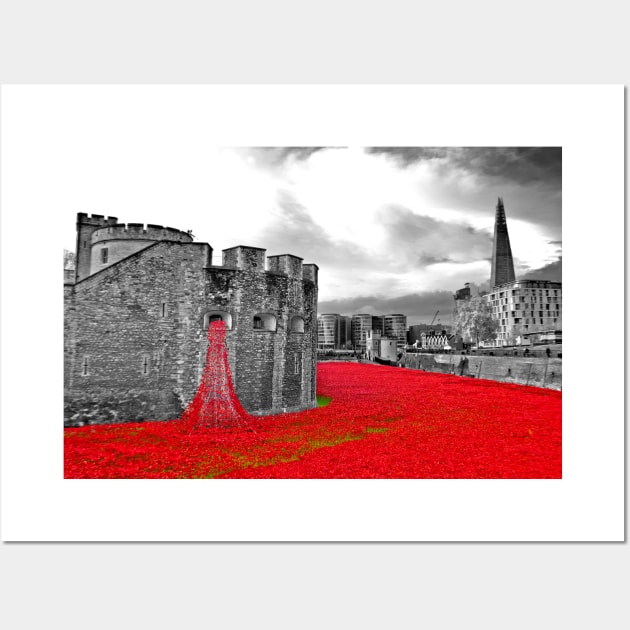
(215, 404)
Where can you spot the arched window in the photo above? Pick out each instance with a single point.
(264, 322)
(297, 324)
(215, 316)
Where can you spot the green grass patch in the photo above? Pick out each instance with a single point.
(323, 401)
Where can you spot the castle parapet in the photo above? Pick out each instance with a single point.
(95, 219)
(309, 272)
(285, 264)
(243, 257)
(137, 231)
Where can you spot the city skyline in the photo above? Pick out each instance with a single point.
(393, 230)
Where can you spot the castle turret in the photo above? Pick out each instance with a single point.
(112, 243)
(243, 257)
(86, 225)
(286, 264)
(309, 272)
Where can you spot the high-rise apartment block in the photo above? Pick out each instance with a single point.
(525, 306)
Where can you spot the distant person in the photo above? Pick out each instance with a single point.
(548, 351)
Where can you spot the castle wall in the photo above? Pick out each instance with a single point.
(69, 333)
(538, 372)
(273, 370)
(136, 333)
(132, 335)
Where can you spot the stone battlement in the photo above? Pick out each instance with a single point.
(95, 219)
(253, 258)
(150, 232)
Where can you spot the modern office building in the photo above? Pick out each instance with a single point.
(395, 325)
(378, 324)
(333, 331)
(469, 290)
(361, 324)
(502, 270)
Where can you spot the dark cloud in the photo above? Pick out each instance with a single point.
(419, 308)
(410, 155)
(520, 165)
(424, 240)
(428, 259)
(552, 271)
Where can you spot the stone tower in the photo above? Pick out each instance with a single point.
(136, 324)
(502, 263)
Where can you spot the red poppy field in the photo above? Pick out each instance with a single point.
(380, 422)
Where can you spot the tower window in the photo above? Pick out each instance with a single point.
(297, 324)
(104, 255)
(85, 366)
(145, 364)
(215, 316)
(264, 322)
(163, 309)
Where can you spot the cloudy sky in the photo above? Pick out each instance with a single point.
(393, 230)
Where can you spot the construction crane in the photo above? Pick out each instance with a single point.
(433, 320)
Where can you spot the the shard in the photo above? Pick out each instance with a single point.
(502, 263)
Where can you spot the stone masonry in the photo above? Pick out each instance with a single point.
(136, 319)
